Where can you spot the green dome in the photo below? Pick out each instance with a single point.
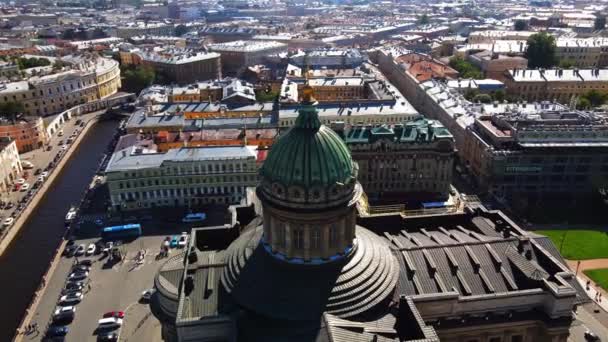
(309, 154)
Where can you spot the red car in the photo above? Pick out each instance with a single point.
(116, 314)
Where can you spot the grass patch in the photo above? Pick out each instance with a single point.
(579, 244)
(599, 276)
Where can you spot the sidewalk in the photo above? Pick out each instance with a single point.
(582, 279)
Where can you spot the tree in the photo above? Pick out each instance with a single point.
(98, 33)
(567, 63)
(68, 34)
(541, 51)
(600, 22)
(499, 95)
(591, 99)
(520, 25)
(482, 98)
(180, 30)
(423, 19)
(138, 78)
(10, 109)
(465, 69)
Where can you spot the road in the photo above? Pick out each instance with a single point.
(41, 159)
(117, 288)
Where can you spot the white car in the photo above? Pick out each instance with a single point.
(64, 309)
(183, 240)
(40, 179)
(80, 250)
(91, 249)
(64, 147)
(44, 174)
(20, 181)
(72, 298)
(8, 221)
(25, 187)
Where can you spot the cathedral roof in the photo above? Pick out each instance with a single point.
(309, 154)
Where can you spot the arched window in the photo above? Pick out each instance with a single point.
(298, 238)
(315, 238)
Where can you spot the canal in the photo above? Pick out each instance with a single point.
(25, 261)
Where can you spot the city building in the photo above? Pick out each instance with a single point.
(328, 58)
(148, 28)
(495, 65)
(82, 80)
(237, 55)
(491, 36)
(352, 113)
(308, 270)
(182, 66)
(10, 165)
(140, 177)
(530, 157)
(226, 90)
(29, 133)
(403, 162)
(555, 84)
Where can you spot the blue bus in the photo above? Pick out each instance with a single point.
(128, 231)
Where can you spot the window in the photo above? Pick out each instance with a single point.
(517, 338)
(315, 237)
(495, 339)
(298, 238)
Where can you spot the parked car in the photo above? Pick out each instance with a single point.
(60, 133)
(74, 284)
(146, 295)
(50, 147)
(109, 336)
(69, 251)
(8, 221)
(91, 249)
(44, 174)
(25, 187)
(591, 336)
(117, 314)
(174, 241)
(64, 318)
(57, 330)
(63, 309)
(78, 276)
(183, 240)
(80, 268)
(78, 288)
(109, 323)
(8, 205)
(40, 179)
(70, 299)
(85, 262)
(80, 250)
(37, 172)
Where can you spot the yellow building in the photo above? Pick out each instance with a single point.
(555, 84)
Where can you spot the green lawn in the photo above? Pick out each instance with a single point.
(579, 244)
(599, 276)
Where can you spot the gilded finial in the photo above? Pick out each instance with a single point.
(307, 94)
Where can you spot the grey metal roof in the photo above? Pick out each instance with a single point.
(126, 159)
